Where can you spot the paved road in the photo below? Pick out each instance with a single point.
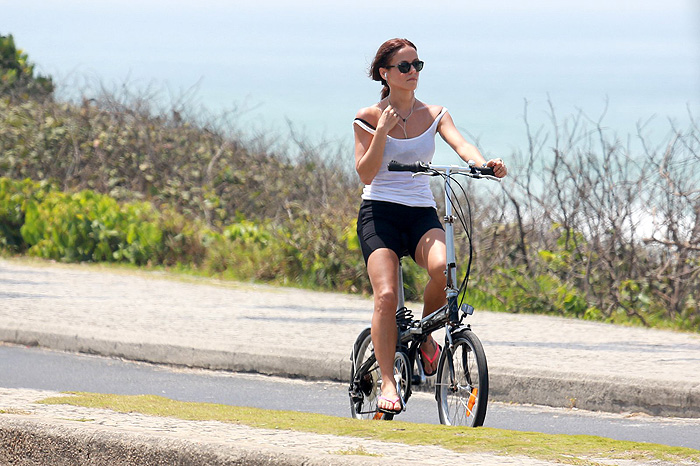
(298, 333)
(37, 368)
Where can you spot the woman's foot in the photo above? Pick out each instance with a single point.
(389, 401)
(430, 353)
(389, 405)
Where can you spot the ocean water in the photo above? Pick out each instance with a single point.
(303, 64)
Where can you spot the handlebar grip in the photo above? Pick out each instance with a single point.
(484, 170)
(415, 167)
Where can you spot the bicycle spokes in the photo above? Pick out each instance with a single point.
(465, 363)
(402, 375)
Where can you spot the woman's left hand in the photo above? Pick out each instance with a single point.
(499, 167)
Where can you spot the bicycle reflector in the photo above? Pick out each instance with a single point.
(472, 400)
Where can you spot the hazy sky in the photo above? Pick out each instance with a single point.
(306, 61)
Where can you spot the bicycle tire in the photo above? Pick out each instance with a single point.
(462, 384)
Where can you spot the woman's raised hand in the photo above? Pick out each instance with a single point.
(388, 119)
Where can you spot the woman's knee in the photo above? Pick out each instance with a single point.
(437, 273)
(386, 299)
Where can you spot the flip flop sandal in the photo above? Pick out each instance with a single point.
(393, 402)
(425, 358)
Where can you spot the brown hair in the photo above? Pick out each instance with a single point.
(383, 57)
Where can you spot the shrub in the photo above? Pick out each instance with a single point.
(86, 226)
(14, 198)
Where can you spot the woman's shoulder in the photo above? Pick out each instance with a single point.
(434, 110)
(367, 118)
(370, 114)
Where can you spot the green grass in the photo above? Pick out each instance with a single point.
(571, 449)
(14, 411)
(359, 451)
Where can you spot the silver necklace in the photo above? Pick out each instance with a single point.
(403, 126)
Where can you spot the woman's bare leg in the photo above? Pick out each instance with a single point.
(382, 268)
(431, 255)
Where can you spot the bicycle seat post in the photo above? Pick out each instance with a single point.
(400, 294)
(400, 303)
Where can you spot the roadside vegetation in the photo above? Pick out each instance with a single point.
(584, 226)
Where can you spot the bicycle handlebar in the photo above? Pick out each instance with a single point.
(415, 167)
(430, 169)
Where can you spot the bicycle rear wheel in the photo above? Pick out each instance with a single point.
(462, 384)
(365, 380)
(403, 375)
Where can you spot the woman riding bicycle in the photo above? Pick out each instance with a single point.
(398, 212)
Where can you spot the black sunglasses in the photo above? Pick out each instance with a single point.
(405, 67)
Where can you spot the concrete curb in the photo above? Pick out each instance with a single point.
(32, 442)
(615, 395)
(550, 388)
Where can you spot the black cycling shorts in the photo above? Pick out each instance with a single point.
(395, 226)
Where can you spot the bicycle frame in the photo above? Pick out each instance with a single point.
(451, 289)
(450, 311)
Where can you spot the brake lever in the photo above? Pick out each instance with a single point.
(479, 176)
(426, 174)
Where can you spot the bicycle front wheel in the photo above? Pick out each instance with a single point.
(462, 384)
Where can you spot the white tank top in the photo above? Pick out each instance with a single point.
(401, 187)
